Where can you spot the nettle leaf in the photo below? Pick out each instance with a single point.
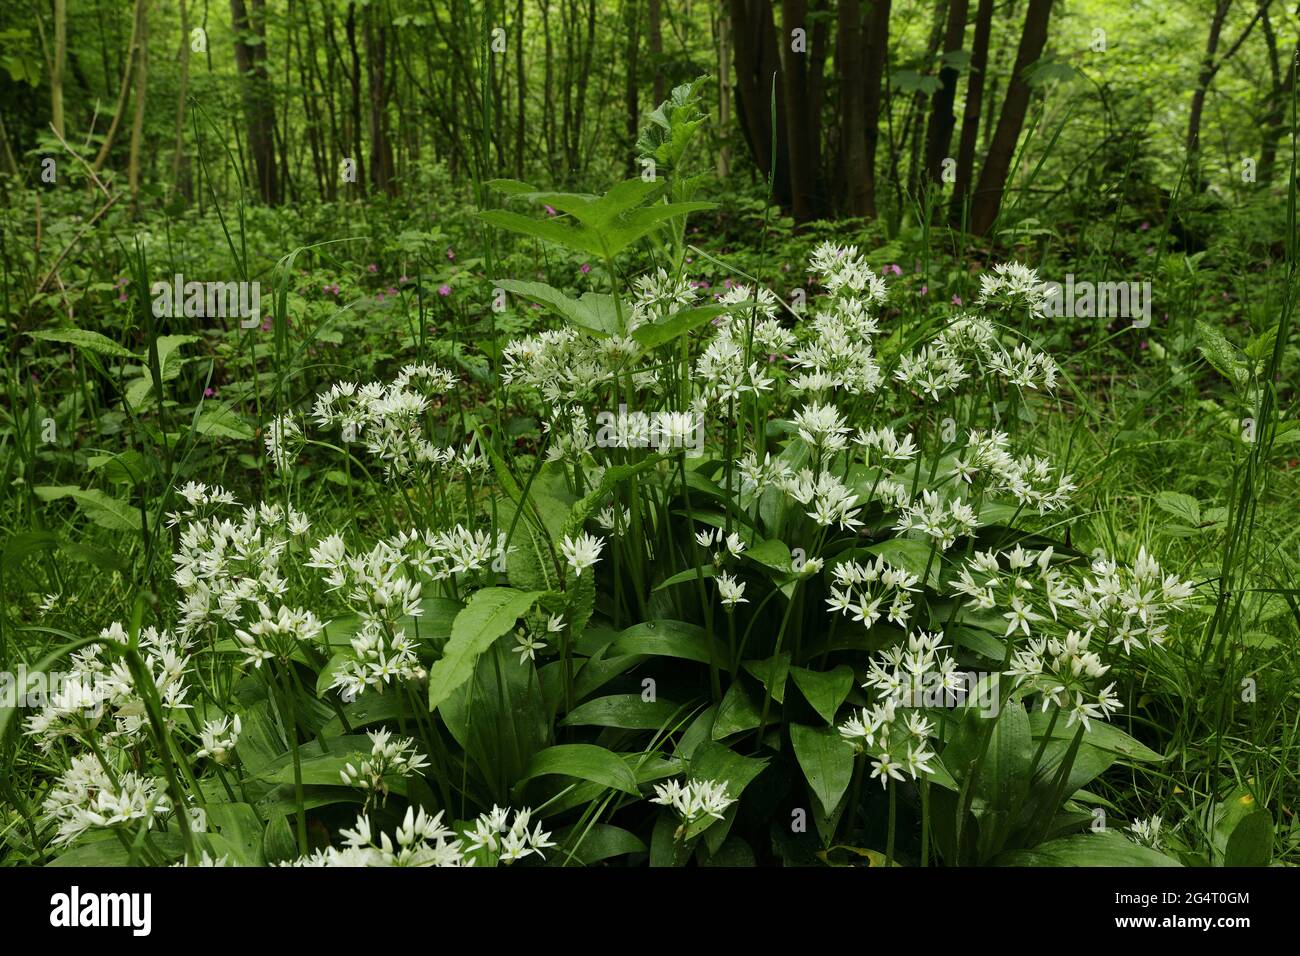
(1221, 354)
(100, 508)
(1181, 506)
(223, 422)
(827, 762)
(593, 312)
(85, 340)
(489, 614)
(578, 238)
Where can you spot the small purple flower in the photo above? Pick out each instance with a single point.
(925, 290)
(451, 254)
(550, 210)
(444, 290)
(895, 268)
(586, 267)
(1144, 227)
(372, 268)
(956, 300)
(209, 392)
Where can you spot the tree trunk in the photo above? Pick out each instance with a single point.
(938, 136)
(877, 55)
(656, 32)
(802, 88)
(56, 67)
(250, 60)
(724, 92)
(631, 89)
(1279, 103)
(350, 28)
(758, 66)
(141, 96)
(183, 83)
(381, 150)
(122, 89)
(521, 88)
(987, 200)
(1203, 81)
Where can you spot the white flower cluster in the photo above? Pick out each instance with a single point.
(423, 840)
(388, 758)
(862, 589)
(219, 738)
(696, 800)
(87, 796)
(390, 420)
(225, 567)
(377, 660)
(1106, 606)
(95, 686)
(892, 729)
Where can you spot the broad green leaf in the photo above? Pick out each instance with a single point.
(592, 844)
(826, 691)
(660, 333)
(827, 762)
(593, 312)
(583, 761)
(666, 639)
(489, 614)
(578, 238)
(1105, 848)
(738, 712)
(626, 711)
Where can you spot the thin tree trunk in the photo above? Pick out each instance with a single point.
(521, 90)
(125, 85)
(656, 35)
(250, 60)
(987, 200)
(56, 67)
(141, 96)
(1203, 81)
(758, 67)
(631, 88)
(350, 28)
(970, 123)
(724, 91)
(942, 119)
(183, 83)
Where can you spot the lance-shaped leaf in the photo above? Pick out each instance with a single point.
(490, 613)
